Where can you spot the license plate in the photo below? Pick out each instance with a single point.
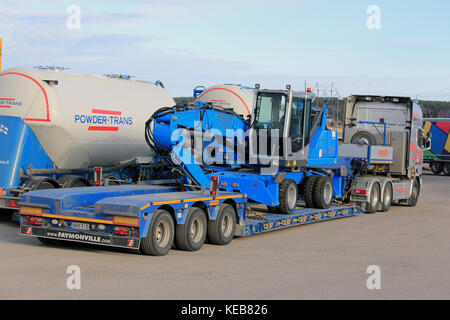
(79, 226)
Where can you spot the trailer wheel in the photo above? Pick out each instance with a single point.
(436, 167)
(72, 181)
(221, 231)
(39, 183)
(374, 199)
(191, 235)
(45, 185)
(160, 235)
(446, 169)
(309, 191)
(388, 194)
(288, 196)
(412, 201)
(323, 192)
(363, 137)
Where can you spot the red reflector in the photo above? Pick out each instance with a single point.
(35, 221)
(12, 203)
(360, 191)
(214, 186)
(121, 231)
(98, 176)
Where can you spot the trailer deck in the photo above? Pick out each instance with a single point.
(271, 222)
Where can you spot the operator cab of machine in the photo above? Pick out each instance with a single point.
(281, 125)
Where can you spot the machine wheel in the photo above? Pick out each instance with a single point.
(388, 194)
(363, 137)
(272, 209)
(221, 231)
(446, 169)
(323, 192)
(72, 181)
(191, 235)
(412, 201)
(160, 235)
(287, 196)
(308, 191)
(436, 167)
(374, 199)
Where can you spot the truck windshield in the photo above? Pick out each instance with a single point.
(270, 111)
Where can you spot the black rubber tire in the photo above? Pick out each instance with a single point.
(72, 181)
(322, 186)
(309, 191)
(372, 205)
(284, 197)
(388, 194)
(44, 185)
(216, 233)
(363, 135)
(39, 183)
(272, 209)
(446, 169)
(195, 222)
(162, 221)
(412, 201)
(436, 167)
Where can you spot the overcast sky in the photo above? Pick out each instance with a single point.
(186, 43)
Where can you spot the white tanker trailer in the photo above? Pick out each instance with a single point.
(54, 124)
(235, 96)
(56, 127)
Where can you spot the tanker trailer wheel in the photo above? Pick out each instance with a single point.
(39, 183)
(72, 181)
(446, 169)
(42, 185)
(160, 235)
(436, 167)
(363, 137)
(221, 231)
(288, 196)
(374, 199)
(412, 201)
(323, 192)
(309, 191)
(388, 194)
(191, 235)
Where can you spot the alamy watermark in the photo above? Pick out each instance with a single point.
(374, 280)
(265, 147)
(73, 282)
(374, 20)
(74, 19)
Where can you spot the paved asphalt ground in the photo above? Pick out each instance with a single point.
(326, 260)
